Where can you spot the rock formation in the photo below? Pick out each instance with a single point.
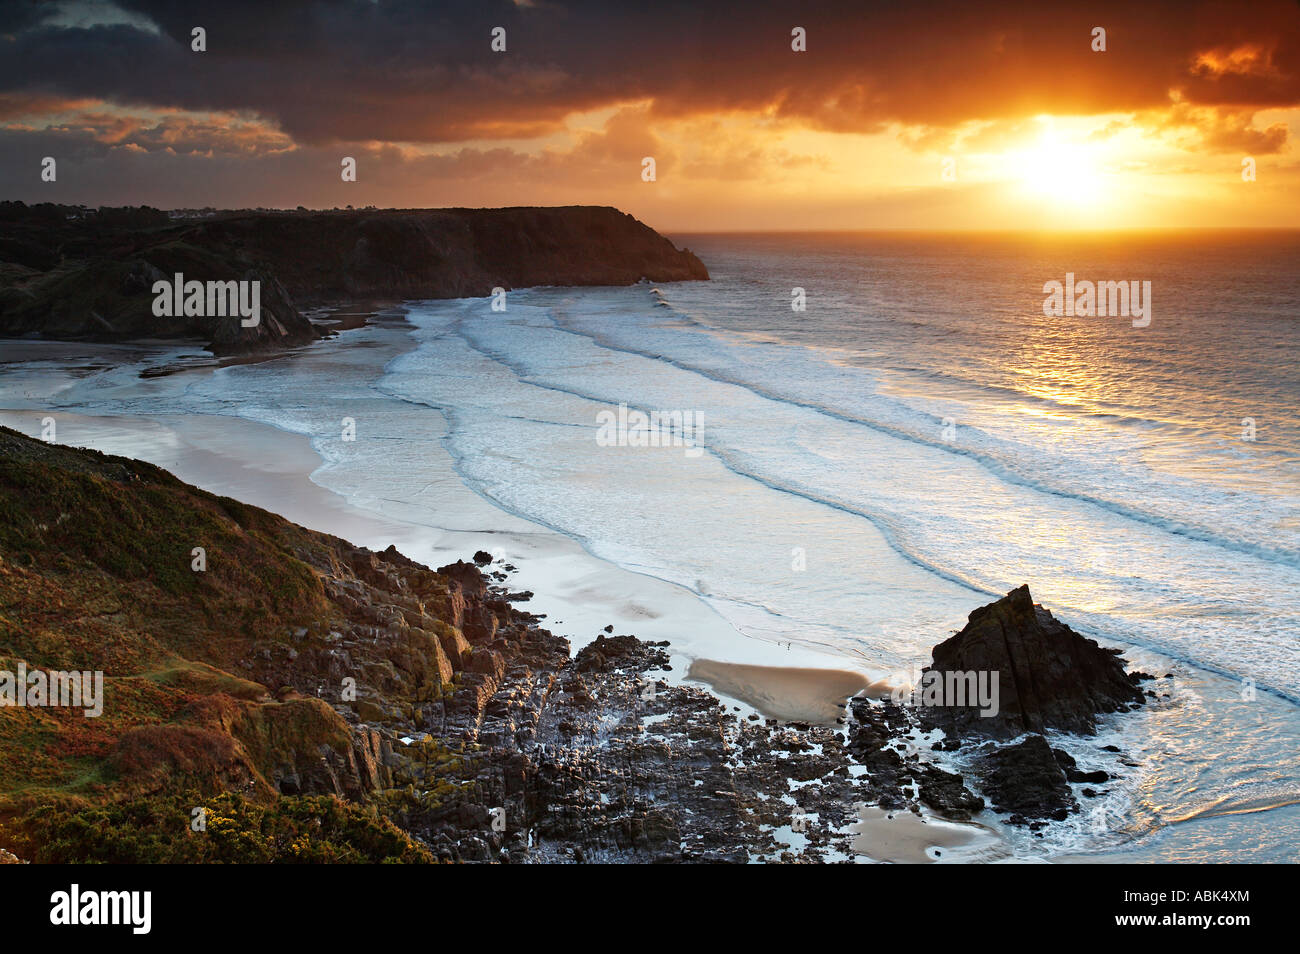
(1049, 676)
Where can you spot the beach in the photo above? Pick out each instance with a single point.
(271, 469)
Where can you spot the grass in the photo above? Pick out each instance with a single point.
(95, 574)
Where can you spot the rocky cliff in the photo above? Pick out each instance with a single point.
(263, 673)
(66, 273)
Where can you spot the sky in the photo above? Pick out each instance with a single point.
(923, 115)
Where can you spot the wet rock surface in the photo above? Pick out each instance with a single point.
(1025, 780)
(1050, 677)
(477, 731)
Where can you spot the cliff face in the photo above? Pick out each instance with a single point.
(92, 277)
(268, 673)
(449, 253)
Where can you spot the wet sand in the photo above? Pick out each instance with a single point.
(789, 693)
(904, 838)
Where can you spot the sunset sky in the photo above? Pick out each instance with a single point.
(939, 115)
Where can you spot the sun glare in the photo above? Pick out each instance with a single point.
(1061, 172)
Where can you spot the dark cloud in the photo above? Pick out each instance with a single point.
(353, 70)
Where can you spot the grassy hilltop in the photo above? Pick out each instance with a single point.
(224, 689)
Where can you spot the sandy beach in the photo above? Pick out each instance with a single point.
(788, 693)
(903, 838)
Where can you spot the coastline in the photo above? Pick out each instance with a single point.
(283, 470)
(576, 593)
(271, 469)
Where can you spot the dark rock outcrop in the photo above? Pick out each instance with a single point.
(872, 742)
(1026, 780)
(1049, 676)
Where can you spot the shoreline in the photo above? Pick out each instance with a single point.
(744, 751)
(578, 594)
(281, 470)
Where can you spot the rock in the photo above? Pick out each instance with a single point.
(456, 646)
(1025, 780)
(468, 576)
(606, 652)
(947, 794)
(489, 662)
(1049, 676)
(1071, 768)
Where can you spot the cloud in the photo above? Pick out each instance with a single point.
(407, 71)
(745, 132)
(21, 105)
(1226, 130)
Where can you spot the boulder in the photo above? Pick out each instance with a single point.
(1025, 780)
(471, 580)
(1048, 676)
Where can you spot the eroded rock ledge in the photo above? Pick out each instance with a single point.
(598, 758)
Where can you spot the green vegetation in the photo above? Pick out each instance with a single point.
(159, 829)
(201, 698)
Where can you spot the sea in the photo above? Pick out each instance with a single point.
(868, 435)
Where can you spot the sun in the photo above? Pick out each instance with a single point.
(1061, 172)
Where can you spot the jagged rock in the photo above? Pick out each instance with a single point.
(606, 652)
(468, 576)
(873, 733)
(1072, 771)
(456, 646)
(489, 662)
(1049, 676)
(946, 793)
